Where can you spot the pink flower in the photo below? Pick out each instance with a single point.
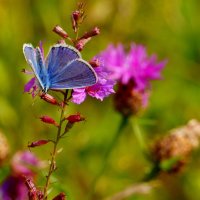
(133, 68)
(102, 89)
(134, 65)
(22, 165)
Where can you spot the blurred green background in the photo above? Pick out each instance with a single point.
(170, 28)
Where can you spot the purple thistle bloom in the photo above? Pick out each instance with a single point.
(133, 69)
(134, 66)
(14, 188)
(22, 165)
(102, 89)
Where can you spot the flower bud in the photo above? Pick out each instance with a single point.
(60, 196)
(94, 63)
(95, 31)
(38, 143)
(48, 120)
(75, 18)
(75, 118)
(81, 43)
(33, 192)
(48, 98)
(58, 30)
(61, 42)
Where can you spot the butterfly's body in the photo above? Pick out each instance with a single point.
(62, 69)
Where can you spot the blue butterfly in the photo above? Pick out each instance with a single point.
(62, 69)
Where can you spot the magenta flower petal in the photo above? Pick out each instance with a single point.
(28, 86)
(102, 89)
(78, 95)
(104, 86)
(134, 65)
(31, 87)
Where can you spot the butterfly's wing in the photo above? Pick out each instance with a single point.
(35, 60)
(59, 56)
(76, 74)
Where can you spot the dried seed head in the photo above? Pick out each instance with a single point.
(128, 101)
(4, 148)
(178, 145)
(78, 16)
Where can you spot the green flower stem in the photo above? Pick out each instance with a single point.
(52, 166)
(122, 125)
(138, 134)
(155, 170)
(152, 174)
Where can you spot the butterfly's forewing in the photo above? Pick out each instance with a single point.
(35, 60)
(59, 56)
(76, 74)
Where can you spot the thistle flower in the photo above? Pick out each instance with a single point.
(177, 146)
(102, 89)
(133, 70)
(22, 164)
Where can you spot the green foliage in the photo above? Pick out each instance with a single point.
(169, 28)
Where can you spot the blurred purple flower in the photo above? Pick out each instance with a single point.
(102, 89)
(134, 66)
(22, 165)
(14, 188)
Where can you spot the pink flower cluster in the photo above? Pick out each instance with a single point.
(134, 66)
